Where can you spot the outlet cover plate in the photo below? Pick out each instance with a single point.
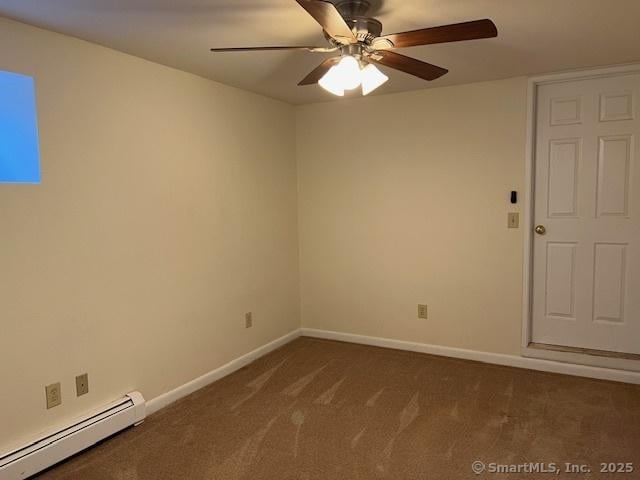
(248, 320)
(422, 311)
(54, 395)
(82, 384)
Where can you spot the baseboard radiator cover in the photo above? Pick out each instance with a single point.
(81, 434)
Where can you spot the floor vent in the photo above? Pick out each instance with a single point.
(85, 432)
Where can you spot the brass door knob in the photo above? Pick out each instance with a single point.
(540, 230)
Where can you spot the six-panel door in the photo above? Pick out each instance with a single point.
(586, 268)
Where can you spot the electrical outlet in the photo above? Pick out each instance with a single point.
(248, 320)
(422, 311)
(82, 384)
(513, 220)
(54, 395)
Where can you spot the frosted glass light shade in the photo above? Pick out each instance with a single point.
(372, 78)
(343, 76)
(332, 82)
(349, 71)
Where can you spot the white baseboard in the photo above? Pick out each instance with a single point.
(168, 398)
(494, 358)
(616, 375)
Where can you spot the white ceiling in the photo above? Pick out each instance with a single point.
(535, 36)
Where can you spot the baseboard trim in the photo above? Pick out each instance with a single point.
(552, 366)
(171, 396)
(485, 357)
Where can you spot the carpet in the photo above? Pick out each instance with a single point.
(319, 409)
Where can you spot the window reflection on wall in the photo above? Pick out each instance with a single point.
(19, 152)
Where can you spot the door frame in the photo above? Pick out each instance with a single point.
(528, 210)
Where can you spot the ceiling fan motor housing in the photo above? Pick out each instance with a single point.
(353, 8)
(365, 28)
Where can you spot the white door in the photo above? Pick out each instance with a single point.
(586, 267)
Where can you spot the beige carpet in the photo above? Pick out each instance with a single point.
(317, 409)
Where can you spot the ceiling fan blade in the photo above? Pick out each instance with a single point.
(409, 65)
(259, 49)
(446, 33)
(319, 71)
(327, 15)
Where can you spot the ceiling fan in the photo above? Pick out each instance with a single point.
(361, 44)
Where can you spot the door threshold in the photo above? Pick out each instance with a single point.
(585, 351)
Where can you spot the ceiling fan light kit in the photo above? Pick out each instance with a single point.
(359, 39)
(352, 72)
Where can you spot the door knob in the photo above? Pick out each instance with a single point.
(540, 229)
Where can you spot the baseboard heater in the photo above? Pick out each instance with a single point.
(83, 433)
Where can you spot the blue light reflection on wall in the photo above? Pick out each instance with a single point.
(19, 152)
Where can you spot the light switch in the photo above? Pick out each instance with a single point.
(513, 220)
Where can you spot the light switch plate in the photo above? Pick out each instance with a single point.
(82, 384)
(513, 220)
(54, 395)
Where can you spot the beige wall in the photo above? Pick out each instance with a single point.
(403, 199)
(167, 210)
